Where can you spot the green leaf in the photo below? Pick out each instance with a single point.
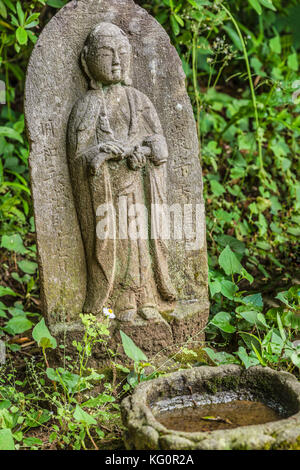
(247, 360)
(253, 299)
(214, 287)
(295, 358)
(174, 25)
(262, 362)
(3, 11)
(66, 378)
(131, 350)
(268, 4)
(10, 134)
(56, 3)
(32, 441)
(18, 324)
(222, 321)
(98, 401)
(236, 245)
(21, 14)
(229, 262)
(179, 20)
(28, 267)
(217, 188)
(281, 330)
(7, 291)
(21, 35)
(6, 440)
(83, 417)
(251, 340)
(228, 289)
(256, 5)
(234, 37)
(275, 44)
(42, 336)
(5, 404)
(250, 317)
(293, 62)
(222, 357)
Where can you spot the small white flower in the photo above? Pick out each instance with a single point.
(107, 312)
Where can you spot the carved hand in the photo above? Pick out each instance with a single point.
(138, 158)
(115, 148)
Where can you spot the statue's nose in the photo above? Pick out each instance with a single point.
(116, 59)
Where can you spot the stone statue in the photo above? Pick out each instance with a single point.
(114, 160)
(117, 155)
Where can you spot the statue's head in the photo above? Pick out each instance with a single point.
(106, 56)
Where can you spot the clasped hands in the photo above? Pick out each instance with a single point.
(136, 156)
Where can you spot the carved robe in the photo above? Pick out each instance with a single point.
(123, 271)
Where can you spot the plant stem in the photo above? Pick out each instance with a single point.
(254, 101)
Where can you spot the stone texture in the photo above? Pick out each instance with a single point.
(60, 100)
(144, 432)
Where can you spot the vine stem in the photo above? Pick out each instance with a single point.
(254, 101)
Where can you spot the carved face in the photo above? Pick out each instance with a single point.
(108, 59)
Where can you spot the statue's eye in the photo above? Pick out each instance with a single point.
(123, 51)
(105, 52)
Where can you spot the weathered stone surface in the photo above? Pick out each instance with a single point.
(107, 110)
(264, 383)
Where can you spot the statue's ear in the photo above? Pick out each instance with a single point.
(83, 61)
(127, 76)
(85, 67)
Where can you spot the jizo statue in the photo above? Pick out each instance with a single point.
(117, 155)
(116, 177)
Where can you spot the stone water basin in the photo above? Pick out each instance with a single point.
(225, 407)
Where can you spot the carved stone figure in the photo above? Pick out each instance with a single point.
(117, 153)
(116, 177)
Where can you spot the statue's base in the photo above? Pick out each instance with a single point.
(164, 337)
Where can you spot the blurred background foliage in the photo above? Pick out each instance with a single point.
(241, 59)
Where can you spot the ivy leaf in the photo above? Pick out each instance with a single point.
(83, 417)
(42, 336)
(247, 360)
(217, 188)
(28, 267)
(222, 357)
(229, 262)
(18, 324)
(131, 350)
(255, 299)
(228, 289)
(6, 440)
(222, 321)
